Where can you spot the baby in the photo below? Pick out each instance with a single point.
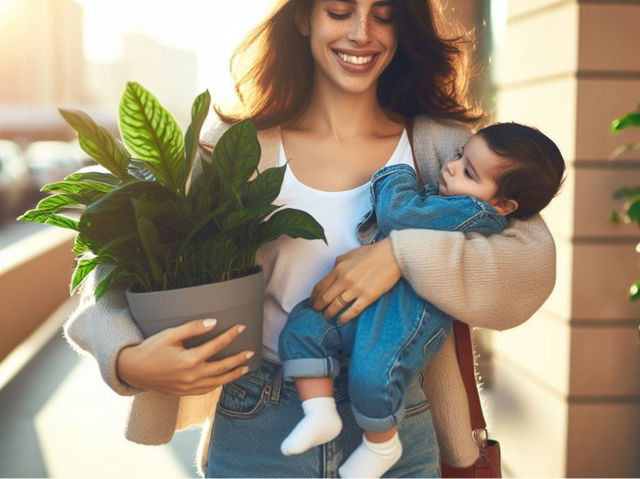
(504, 171)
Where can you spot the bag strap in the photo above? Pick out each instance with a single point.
(464, 348)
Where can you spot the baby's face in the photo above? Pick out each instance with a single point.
(473, 172)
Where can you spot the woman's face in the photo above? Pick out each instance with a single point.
(352, 41)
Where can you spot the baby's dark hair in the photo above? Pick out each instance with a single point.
(535, 168)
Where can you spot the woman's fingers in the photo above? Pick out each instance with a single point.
(223, 366)
(320, 298)
(217, 344)
(338, 298)
(190, 329)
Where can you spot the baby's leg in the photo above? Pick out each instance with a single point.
(388, 352)
(310, 350)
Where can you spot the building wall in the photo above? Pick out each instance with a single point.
(567, 383)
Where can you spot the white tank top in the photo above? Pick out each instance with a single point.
(292, 267)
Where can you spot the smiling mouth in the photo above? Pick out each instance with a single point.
(355, 60)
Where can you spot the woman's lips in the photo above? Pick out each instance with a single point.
(356, 63)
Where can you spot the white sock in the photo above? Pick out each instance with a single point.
(372, 459)
(321, 423)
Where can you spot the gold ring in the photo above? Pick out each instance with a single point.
(341, 301)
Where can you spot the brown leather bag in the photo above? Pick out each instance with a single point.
(488, 464)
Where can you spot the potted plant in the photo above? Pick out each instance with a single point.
(630, 212)
(184, 248)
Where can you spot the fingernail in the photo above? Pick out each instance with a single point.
(241, 328)
(209, 323)
(245, 370)
(249, 355)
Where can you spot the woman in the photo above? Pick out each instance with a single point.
(331, 83)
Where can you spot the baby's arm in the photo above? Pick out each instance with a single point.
(400, 203)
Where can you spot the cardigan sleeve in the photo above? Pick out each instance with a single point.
(103, 329)
(494, 282)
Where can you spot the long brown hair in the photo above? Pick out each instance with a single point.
(273, 67)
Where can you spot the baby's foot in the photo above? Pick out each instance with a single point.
(372, 459)
(321, 423)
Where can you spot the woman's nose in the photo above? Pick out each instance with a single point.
(359, 28)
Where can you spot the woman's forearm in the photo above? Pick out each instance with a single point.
(494, 282)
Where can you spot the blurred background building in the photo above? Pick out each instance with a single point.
(562, 391)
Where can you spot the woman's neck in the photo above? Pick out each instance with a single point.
(343, 115)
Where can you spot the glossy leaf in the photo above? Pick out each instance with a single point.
(199, 112)
(237, 154)
(625, 121)
(94, 176)
(242, 217)
(290, 222)
(265, 188)
(98, 143)
(83, 268)
(626, 192)
(47, 218)
(633, 211)
(634, 291)
(153, 135)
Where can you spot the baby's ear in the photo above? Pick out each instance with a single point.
(504, 206)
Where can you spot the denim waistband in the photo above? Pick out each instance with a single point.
(270, 376)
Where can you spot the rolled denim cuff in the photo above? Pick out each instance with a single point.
(310, 368)
(376, 424)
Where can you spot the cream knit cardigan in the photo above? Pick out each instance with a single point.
(494, 282)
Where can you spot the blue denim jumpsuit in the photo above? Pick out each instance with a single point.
(393, 339)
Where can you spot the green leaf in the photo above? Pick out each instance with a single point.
(242, 217)
(47, 218)
(98, 143)
(153, 135)
(626, 192)
(83, 268)
(199, 112)
(94, 176)
(54, 203)
(291, 222)
(148, 234)
(614, 218)
(83, 188)
(625, 121)
(634, 291)
(237, 153)
(265, 188)
(633, 211)
(79, 246)
(112, 216)
(109, 281)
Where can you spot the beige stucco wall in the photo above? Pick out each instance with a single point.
(567, 383)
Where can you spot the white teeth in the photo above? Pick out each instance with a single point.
(354, 60)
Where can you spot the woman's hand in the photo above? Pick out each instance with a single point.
(361, 275)
(161, 363)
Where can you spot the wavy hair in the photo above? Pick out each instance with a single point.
(272, 68)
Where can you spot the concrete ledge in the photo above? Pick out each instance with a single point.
(34, 280)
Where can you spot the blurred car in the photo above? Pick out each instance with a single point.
(16, 190)
(50, 161)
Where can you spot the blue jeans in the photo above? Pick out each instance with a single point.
(388, 344)
(256, 412)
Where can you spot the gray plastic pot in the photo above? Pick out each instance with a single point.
(231, 302)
